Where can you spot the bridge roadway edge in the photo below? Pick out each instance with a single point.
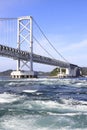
(24, 55)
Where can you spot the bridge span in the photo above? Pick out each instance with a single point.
(24, 55)
(16, 54)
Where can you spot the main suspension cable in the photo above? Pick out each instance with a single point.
(43, 48)
(49, 41)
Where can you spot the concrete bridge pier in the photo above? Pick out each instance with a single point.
(73, 71)
(24, 74)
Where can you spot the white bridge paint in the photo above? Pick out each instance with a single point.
(25, 36)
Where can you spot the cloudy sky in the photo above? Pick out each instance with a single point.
(64, 22)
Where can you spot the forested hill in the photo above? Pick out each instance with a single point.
(6, 73)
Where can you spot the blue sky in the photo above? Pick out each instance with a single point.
(63, 21)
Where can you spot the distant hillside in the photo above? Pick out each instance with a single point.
(54, 72)
(6, 73)
(40, 73)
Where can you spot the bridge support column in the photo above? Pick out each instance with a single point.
(73, 71)
(31, 44)
(18, 64)
(25, 35)
(62, 73)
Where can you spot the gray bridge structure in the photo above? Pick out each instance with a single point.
(16, 54)
(28, 56)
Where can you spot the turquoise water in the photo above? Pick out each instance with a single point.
(43, 104)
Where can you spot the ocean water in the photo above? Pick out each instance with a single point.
(43, 104)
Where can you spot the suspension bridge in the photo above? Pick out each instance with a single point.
(21, 29)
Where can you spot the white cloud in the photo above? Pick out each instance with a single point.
(75, 46)
(76, 53)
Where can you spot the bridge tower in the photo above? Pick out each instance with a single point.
(24, 38)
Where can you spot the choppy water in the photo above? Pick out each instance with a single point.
(43, 104)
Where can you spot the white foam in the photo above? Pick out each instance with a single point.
(25, 122)
(67, 106)
(8, 98)
(29, 91)
(38, 93)
(45, 104)
(65, 114)
(39, 105)
(74, 105)
(28, 122)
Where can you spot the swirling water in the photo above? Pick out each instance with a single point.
(43, 104)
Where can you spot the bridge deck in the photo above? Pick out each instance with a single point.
(23, 55)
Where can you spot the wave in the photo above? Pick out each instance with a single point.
(58, 108)
(45, 81)
(51, 122)
(28, 104)
(50, 115)
(8, 98)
